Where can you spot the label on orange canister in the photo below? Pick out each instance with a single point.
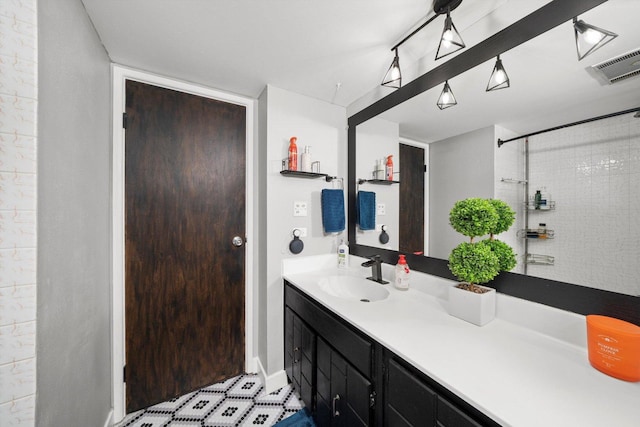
(614, 347)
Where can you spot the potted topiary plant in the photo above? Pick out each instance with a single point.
(476, 263)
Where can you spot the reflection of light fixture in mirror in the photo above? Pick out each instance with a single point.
(393, 78)
(499, 78)
(590, 38)
(446, 98)
(450, 41)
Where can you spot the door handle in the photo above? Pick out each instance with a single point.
(237, 241)
(336, 413)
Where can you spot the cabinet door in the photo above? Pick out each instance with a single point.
(343, 394)
(299, 356)
(409, 402)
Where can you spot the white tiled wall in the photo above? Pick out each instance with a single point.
(18, 113)
(592, 171)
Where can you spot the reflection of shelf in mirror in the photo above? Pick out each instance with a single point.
(537, 259)
(300, 174)
(549, 205)
(378, 181)
(513, 181)
(535, 234)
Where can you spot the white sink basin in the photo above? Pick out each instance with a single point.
(353, 288)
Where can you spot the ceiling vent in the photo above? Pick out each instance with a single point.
(619, 68)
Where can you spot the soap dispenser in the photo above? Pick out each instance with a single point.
(402, 274)
(343, 254)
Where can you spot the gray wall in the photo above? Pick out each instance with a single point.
(461, 167)
(73, 309)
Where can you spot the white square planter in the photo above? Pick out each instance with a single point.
(478, 309)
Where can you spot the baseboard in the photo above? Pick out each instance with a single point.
(109, 421)
(274, 381)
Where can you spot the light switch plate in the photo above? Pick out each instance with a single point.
(381, 209)
(299, 208)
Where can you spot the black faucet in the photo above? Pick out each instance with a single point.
(376, 269)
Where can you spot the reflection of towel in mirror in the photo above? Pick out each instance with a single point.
(367, 210)
(333, 218)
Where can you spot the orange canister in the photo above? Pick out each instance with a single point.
(614, 347)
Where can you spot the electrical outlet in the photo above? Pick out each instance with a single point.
(299, 208)
(381, 209)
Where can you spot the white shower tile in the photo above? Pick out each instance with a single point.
(19, 412)
(18, 115)
(17, 267)
(17, 342)
(17, 191)
(17, 229)
(18, 77)
(21, 10)
(19, 38)
(18, 379)
(17, 304)
(18, 153)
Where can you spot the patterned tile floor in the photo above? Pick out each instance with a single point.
(239, 401)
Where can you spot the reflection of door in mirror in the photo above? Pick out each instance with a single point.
(412, 200)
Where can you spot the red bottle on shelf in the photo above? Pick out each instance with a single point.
(292, 164)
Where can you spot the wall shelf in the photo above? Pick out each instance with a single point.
(377, 181)
(535, 234)
(301, 174)
(537, 259)
(549, 206)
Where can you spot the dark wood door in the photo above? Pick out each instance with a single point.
(412, 205)
(184, 203)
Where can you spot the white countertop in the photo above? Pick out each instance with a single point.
(528, 367)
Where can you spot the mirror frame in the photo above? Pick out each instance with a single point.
(566, 296)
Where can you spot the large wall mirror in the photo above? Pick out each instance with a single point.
(590, 171)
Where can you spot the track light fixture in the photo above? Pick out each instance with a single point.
(446, 99)
(450, 41)
(393, 78)
(590, 38)
(499, 78)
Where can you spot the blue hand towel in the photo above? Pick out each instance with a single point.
(367, 210)
(332, 210)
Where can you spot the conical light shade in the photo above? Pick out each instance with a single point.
(393, 78)
(499, 78)
(446, 98)
(590, 38)
(450, 41)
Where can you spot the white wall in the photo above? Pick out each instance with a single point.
(74, 217)
(323, 127)
(461, 167)
(18, 175)
(375, 140)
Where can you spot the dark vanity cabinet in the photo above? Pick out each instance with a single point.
(347, 379)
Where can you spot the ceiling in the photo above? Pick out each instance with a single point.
(338, 51)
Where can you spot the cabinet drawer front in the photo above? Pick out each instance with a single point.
(451, 416)
(409, 397)
(342, 337)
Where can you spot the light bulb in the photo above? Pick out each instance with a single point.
(592, 36)
(395, 73)
(501, 77)
(447, 36)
